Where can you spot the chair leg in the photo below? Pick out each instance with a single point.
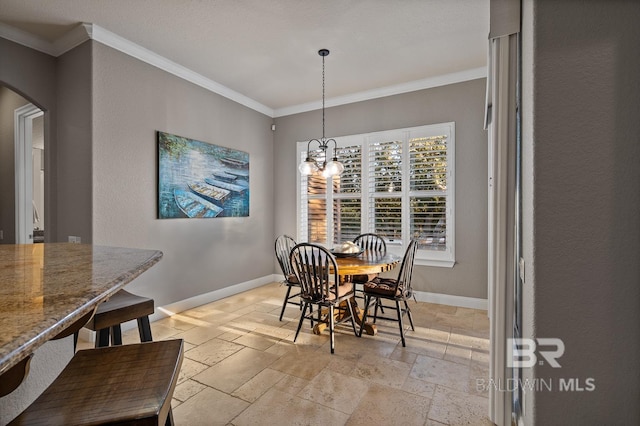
(286, 300)
(375, 309)
(331, 328)
(304, 311)
(367, 298)
(102, 338)
(409, 315)
(400, 322)
(352, 316)
(144, 329)
(169, 421)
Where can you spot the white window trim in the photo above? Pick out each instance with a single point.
(423, 257)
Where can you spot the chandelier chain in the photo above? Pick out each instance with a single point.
(323, 99)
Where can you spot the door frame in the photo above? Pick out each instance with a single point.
(23, 144)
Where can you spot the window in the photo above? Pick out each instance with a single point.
(398, 183)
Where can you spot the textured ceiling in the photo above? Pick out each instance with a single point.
(267, 49)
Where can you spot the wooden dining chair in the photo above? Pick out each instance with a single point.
(397, 290)
(370, 242)
(318, 275)
(283, 246)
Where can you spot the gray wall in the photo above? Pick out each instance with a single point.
(32, 75)
(462, 103)
(9, 102)
(73, 154)
(131, 101)
(582, 202)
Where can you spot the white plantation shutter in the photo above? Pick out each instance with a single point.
(428, 191)
(398, 184)
(347, 204)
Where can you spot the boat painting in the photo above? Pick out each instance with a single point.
(234, 162)
(194, 206)
(226, 185)
(184, 165)
(222, 175)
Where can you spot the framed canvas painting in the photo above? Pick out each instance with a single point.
(201, 180)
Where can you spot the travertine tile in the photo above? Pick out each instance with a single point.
(180, 322)
(383, 371)
(441, 372)
(456, 321)
(470, 338)
(306, 367)
(279, 408)
(336, 391)
(189, 369)
(458, 354)
(213, 351)
(241, 366)
(401, 354)
(209, 407)
(426, 347)
(187, 389)
(199, 335)
(232, 372)
(258, 385)
(382, 405)
(478, 378)
(256, 341)
(419, 387)
(458, 408)
(439, 333)
(291, 384)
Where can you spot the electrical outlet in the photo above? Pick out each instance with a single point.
(73, 239)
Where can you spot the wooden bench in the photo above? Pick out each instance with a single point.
(124, 385)
(121, 307)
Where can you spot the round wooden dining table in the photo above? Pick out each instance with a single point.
(368, 262)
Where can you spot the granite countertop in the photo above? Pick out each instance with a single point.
(46, 287)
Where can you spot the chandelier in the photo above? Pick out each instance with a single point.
(310, 165)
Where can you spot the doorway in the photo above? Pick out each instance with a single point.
(29, 174)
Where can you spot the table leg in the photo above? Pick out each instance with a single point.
(342, 314)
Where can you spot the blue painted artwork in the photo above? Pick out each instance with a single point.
(201, 180)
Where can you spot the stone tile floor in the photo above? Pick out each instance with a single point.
(241, 367)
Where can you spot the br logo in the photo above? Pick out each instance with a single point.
(525, 352)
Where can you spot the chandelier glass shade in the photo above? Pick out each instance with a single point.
(311, 165)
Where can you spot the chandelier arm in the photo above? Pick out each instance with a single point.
(332, 162)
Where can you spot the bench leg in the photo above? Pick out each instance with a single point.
(102, 338)
(144, 328)
(116, 335)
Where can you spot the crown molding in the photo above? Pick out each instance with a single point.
(412, 86)
(114, 41)
(73, 38)
(87, 31)
(26, 39)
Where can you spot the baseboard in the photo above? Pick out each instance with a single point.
(202, 299)
(451, 300)
(212, 296)
(442, 299)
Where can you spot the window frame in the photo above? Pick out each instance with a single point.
(425, 257)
